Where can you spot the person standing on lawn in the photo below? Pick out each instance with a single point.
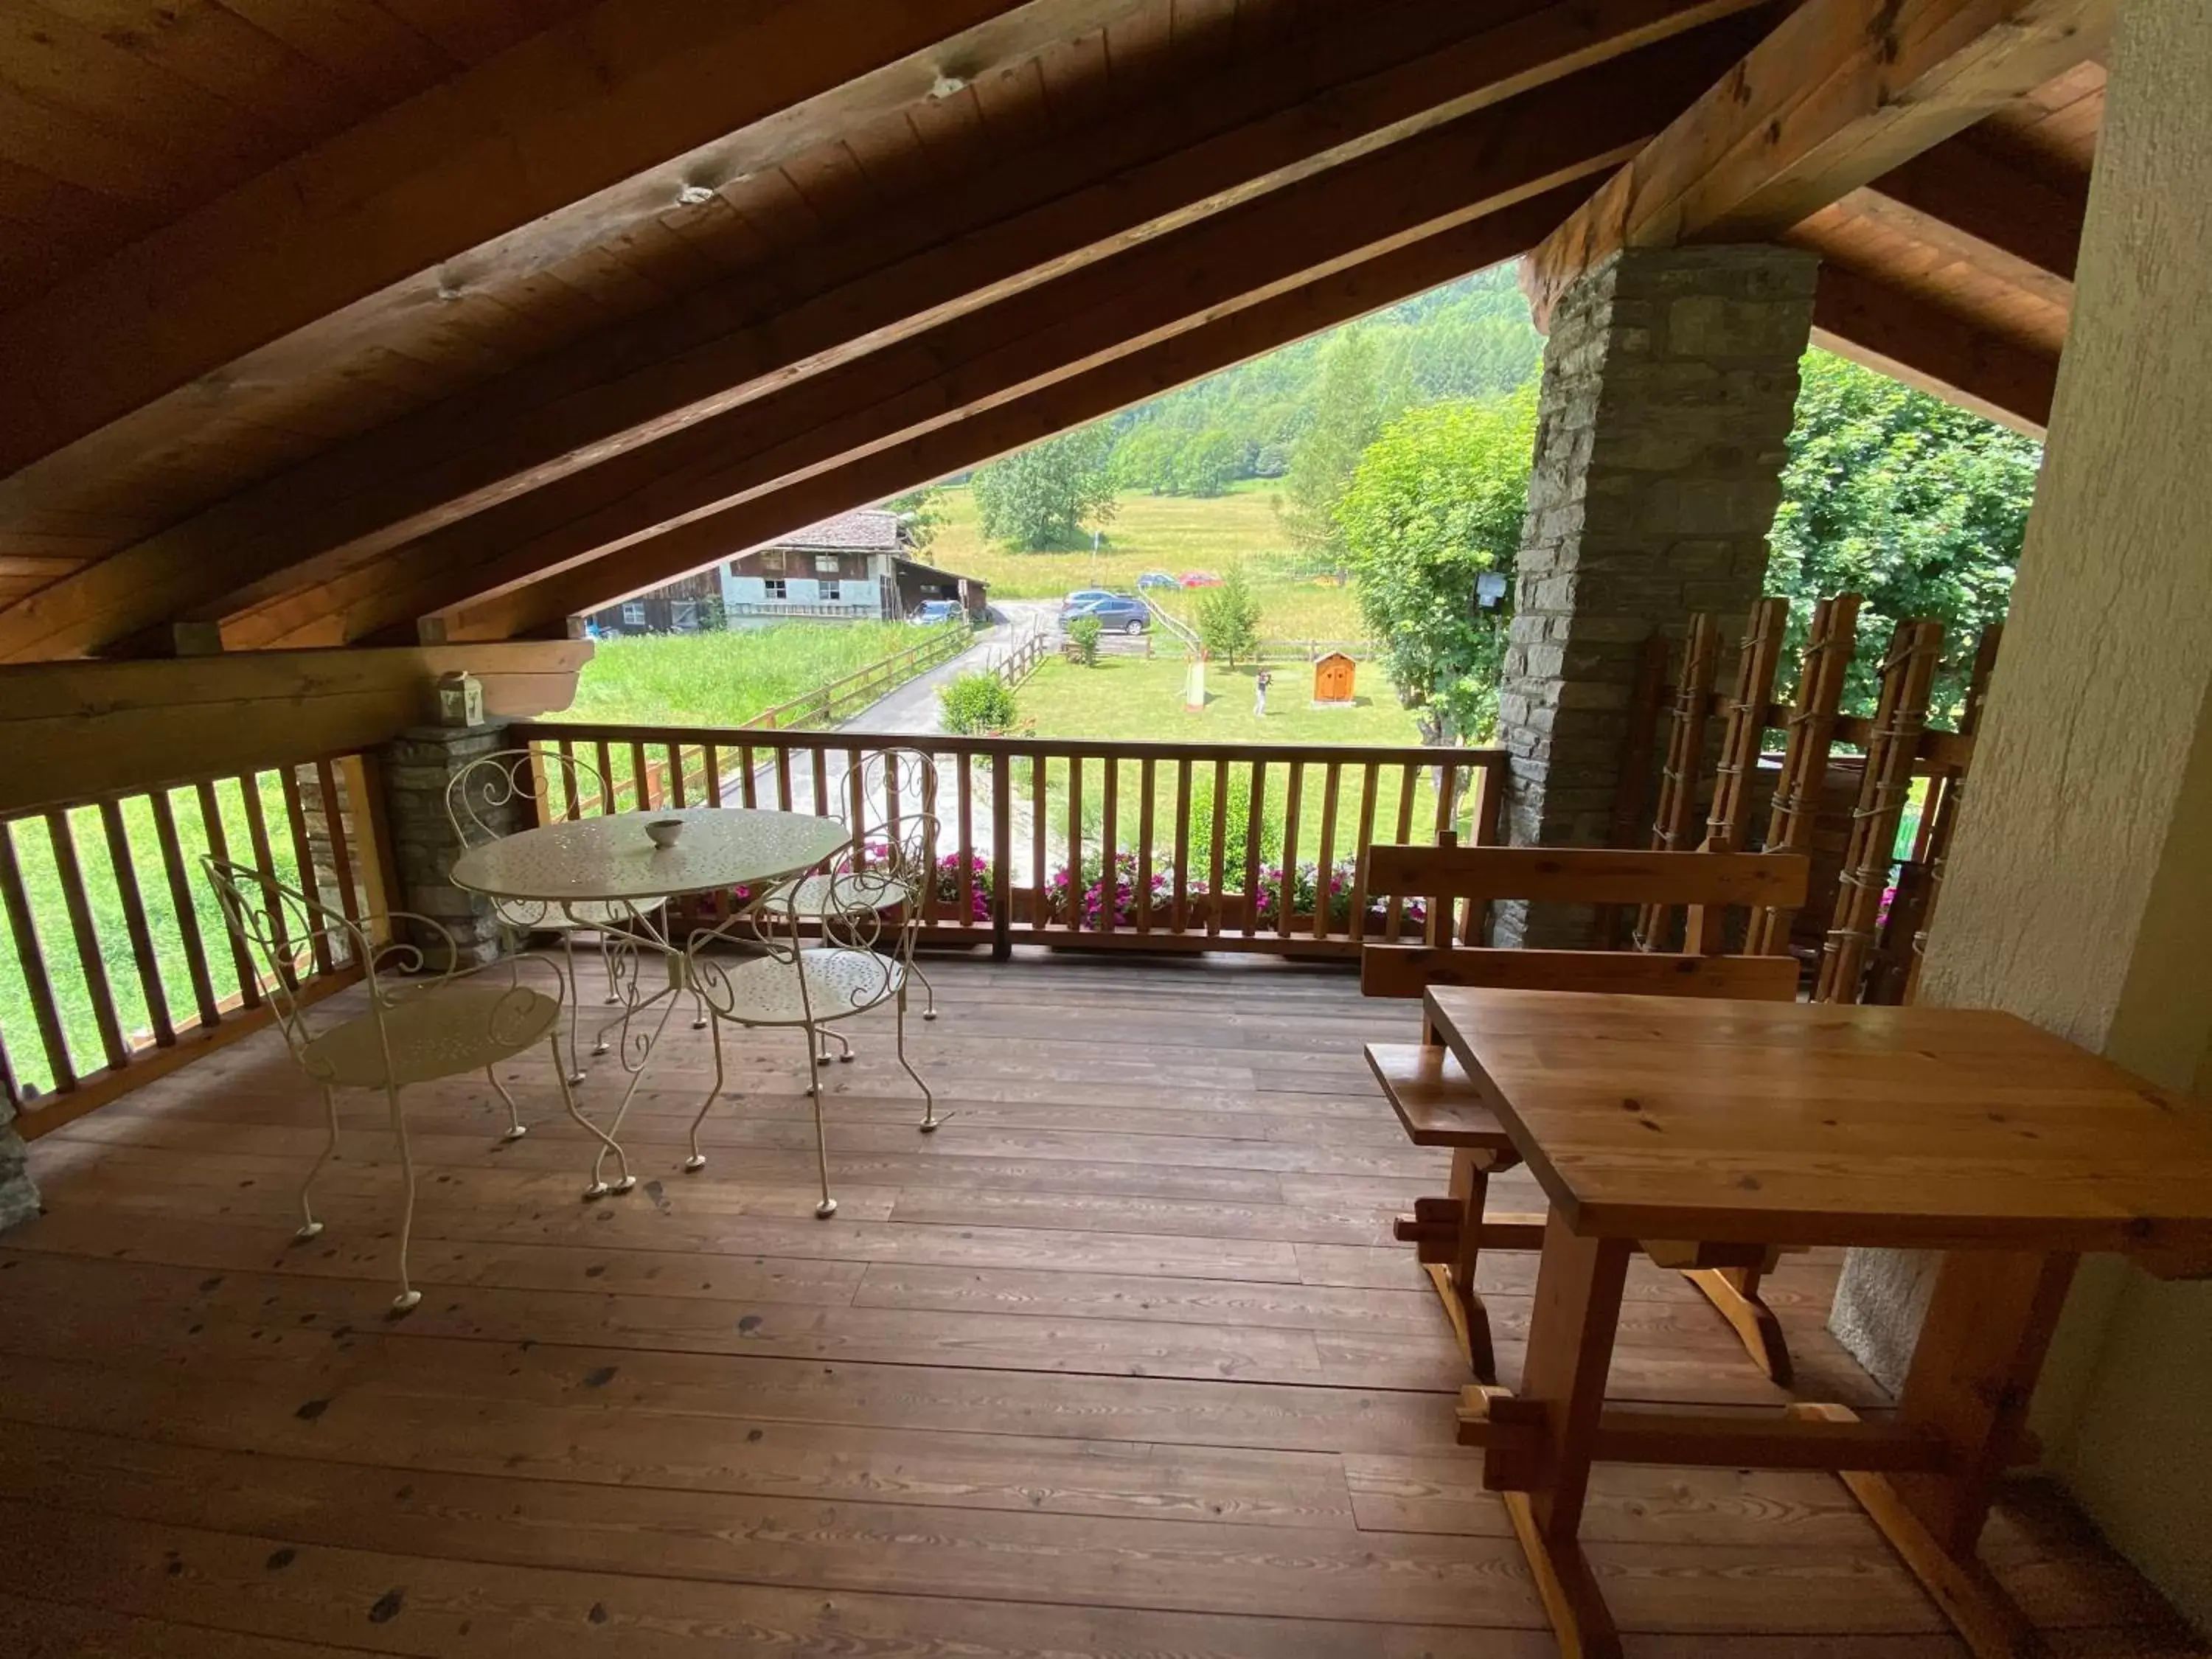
(1260, 694)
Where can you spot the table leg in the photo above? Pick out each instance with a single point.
(1455, 1280)
(1981, 1346)
(1571, 1335)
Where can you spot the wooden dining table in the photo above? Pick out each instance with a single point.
(1970, 1132)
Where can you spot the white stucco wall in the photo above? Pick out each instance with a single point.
(2080, 892)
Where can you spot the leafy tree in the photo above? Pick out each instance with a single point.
(1435, 503)
(1205, 464)
(1272, 461)
(1229, 618)
(921, 511)
(1896, 494)
(1083, 634)
(1040, 497)
(1145, 457)
(1347, 412)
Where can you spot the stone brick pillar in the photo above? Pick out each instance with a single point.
(1670, 383)
(417, 767)
(19, 1194)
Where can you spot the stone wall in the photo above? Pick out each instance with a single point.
(417, 767)
(1670, 383)
(19, 1194)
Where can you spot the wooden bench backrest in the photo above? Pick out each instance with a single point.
(1701, 882)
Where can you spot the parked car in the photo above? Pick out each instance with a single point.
(1201, 579)
(1116, 614)
(1083, 596)
(937, 610)
(1156, 579)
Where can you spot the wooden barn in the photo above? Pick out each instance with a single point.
(1141, 1286)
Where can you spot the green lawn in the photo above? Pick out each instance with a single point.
(725, 679)
(1168, 533)
(1140, 699)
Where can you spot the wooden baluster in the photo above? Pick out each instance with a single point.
(1908, 673)
(819, 770)
(1179, 915)
(748, 785)
(856, 803)
(181, 900)
(265, 860)
(1253, 826)
(1286, 899)
(1217, 858)
(37, 983)
(1324, 865)
(142, 954)
(1146, 784)
(783, 781)
(1940, 817)
(217, 842)
(1040, 895)
(1745, 725)
(1370, 781)
(711, 757)
(677, 795)
(1002, 854)
(1075, 840)
(608, 795)
(1490, 806)
(334, 826)
(1409, 783)
(1686, 759)
(963, 775)
(571, 808)
(71, 880)
(303, 859)
(1109, 844)
(1830, 644)
(640, 780)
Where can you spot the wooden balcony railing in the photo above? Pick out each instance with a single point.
(1154, 846)
(116, 965)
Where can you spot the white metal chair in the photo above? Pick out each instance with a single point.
(415, 1029)
(890, 796)
(864, 918)
(480, 802)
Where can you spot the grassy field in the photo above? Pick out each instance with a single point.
(1139, 699)
(725, 679)
(1166, 533)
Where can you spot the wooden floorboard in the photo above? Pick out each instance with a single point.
(1120, 1362)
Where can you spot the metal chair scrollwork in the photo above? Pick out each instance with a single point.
(422, 1022)
(484, 801)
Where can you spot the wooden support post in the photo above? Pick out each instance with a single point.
(1942, 820)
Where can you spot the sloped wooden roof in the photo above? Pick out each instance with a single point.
(351, 321)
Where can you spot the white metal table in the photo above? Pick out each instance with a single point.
(610, 860)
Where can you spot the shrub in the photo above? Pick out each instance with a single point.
(1235, 825)
(1229, 618)
(976, 704)
(979, 886)
(1083, 634)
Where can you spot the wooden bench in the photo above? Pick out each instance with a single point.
(1440, 1106)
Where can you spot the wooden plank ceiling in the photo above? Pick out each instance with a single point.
(372, 321)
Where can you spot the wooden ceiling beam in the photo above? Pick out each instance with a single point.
(562, 140)
(1166, 285)
(544, 607)
(1909, 340)
(1967, 189)
(1842, 91)
(1325, 98)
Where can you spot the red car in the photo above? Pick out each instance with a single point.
(1201, 579)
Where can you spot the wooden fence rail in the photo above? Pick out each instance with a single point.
(116, 965)
(847, 695)
(1212, 846)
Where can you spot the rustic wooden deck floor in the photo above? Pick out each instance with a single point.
(1119, 1363)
